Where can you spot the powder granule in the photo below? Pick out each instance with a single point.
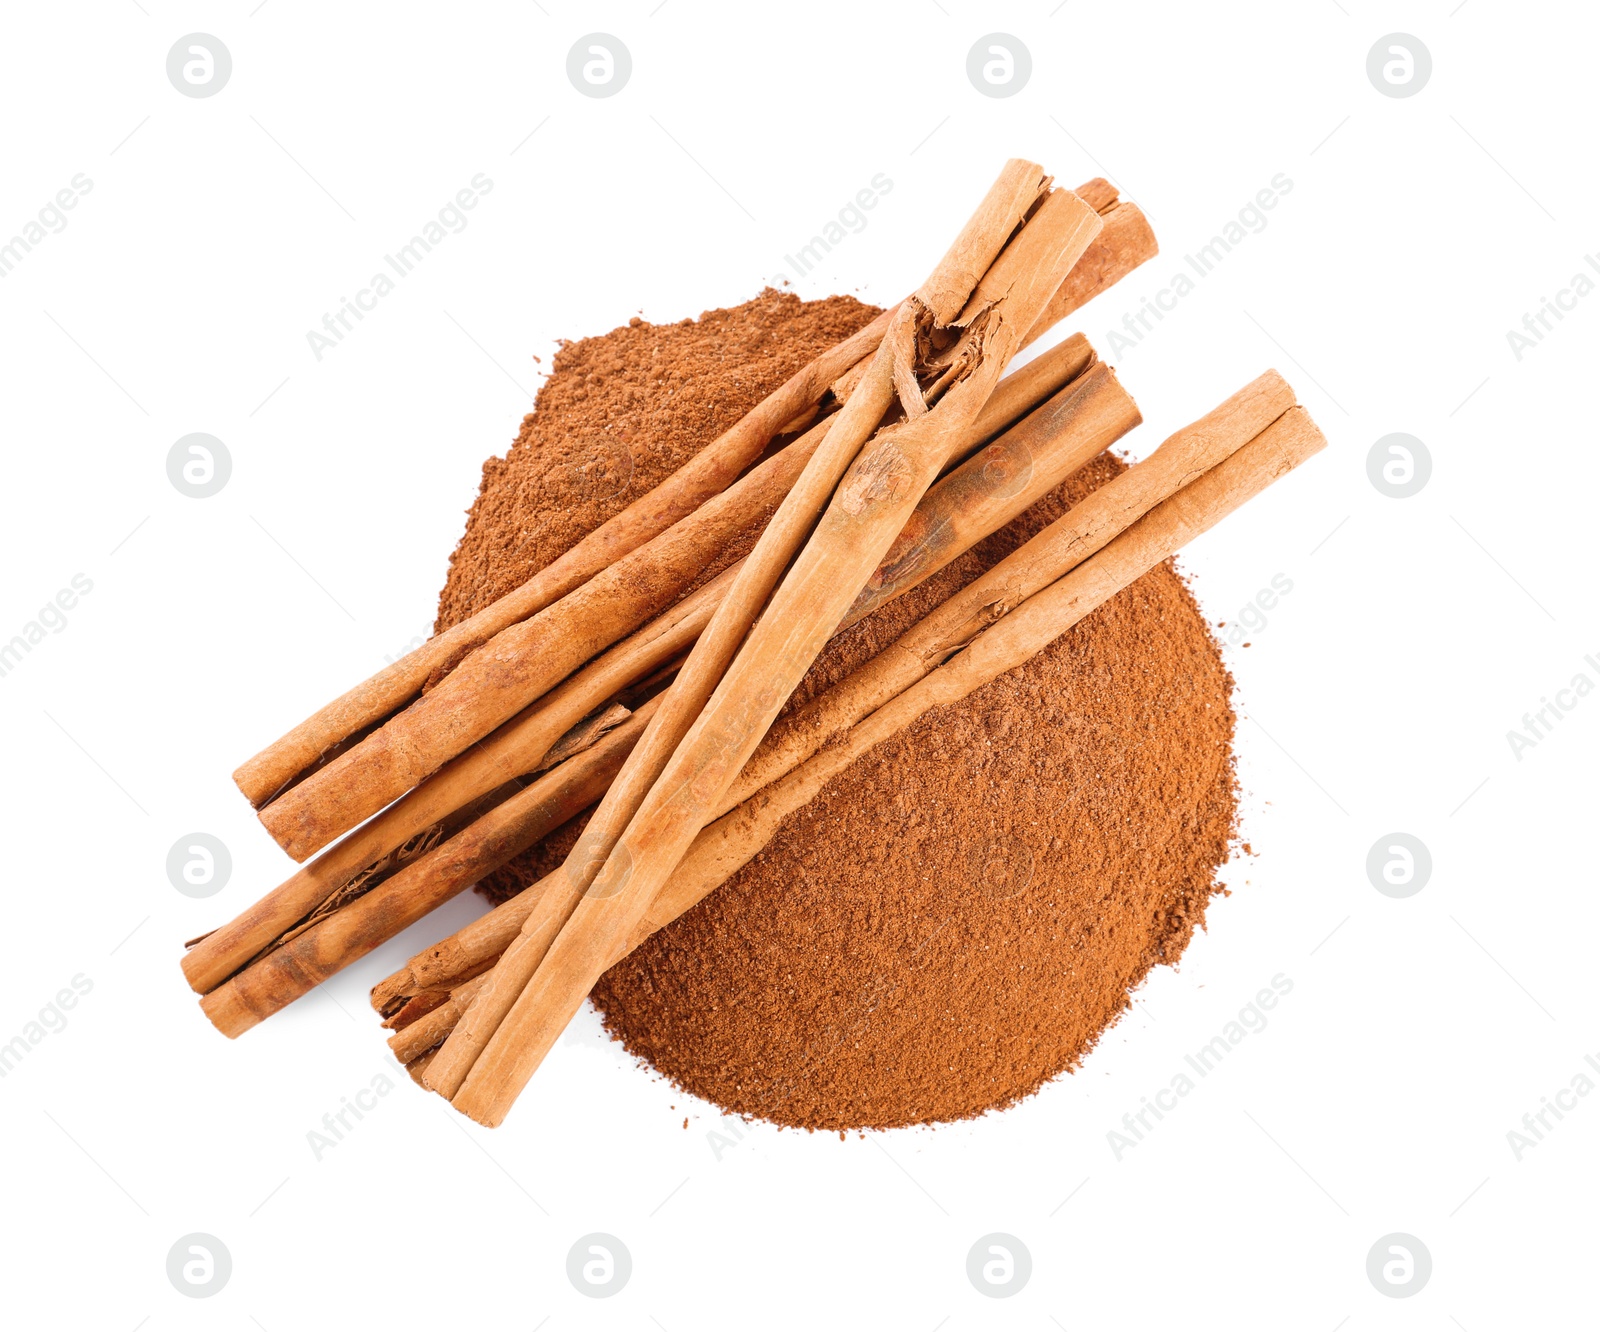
(958, 917)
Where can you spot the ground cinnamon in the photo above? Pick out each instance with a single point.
(1110, 751)
(940, 359)
(1054, 836)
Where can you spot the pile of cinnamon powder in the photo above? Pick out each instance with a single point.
(958, 917)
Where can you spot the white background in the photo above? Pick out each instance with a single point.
(1377, 698)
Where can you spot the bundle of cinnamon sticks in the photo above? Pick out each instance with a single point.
(599, 679)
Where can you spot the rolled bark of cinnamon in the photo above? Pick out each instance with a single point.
(416, 1038)
(527, 659)
(1072, 538)
(1057, 229)
(340, 728)
(1086, 416)
(728, 844)
(708, 473)
(513, 750)
(333, 943)
(983, 651)
(990, 298)
(953, 516)
(1048, 556)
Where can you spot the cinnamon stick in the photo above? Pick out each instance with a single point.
(1021, 188)
(1060, 547)
(516, 747)
(869, 717)
(1001, 481)
(728, 844)
(527, 659)
(415, 1039)
(311, 957)
(1125, 241)
(708, 473)
(941, 357)
(1048, 556)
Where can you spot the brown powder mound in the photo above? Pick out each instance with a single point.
(956, 919)
(618, 415)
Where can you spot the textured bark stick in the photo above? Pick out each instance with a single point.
(287, 973)
(513, 750)
(1124, 242)
(992, 299)
(989, 650)
(415, 1039)
(1001, 481)
(520, 745)
(728, 844)
(711, 471)
(1067, 542)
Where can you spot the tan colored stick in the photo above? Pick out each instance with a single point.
(517, 747)
(1068, 541)
(417, 1038)
(960, 505)
(711, 471)
(979, 498)
(511, 751)
(991, 649)
(991, 305)
(1014, 195)
(1125, 242)
(285, 974)
(727, 845)
(1052, 553)
(527, 659)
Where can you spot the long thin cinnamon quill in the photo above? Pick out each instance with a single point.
(918, 672)
(384, 770)
(1050, 555)
(943, 526)
(1020, 191)
(979, 312)
(978, 498)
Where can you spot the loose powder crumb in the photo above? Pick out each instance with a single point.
(958, 917)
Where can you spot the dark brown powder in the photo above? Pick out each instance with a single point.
(618, 415)
(956, 919)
